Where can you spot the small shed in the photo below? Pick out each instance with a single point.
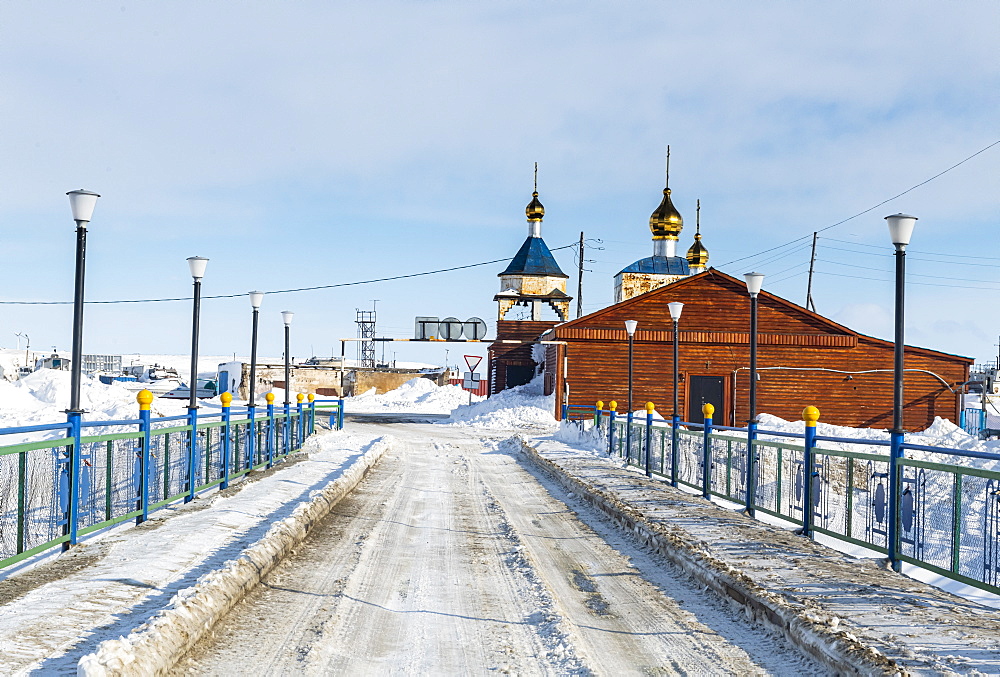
(803, 359)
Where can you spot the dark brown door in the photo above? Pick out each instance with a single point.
(702, 389)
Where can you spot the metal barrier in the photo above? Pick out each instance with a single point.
(133, 467)
(946, 518)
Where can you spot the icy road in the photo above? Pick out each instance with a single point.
(455, 557)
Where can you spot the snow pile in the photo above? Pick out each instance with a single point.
(517, 408)
(582, 436)
(418, 395)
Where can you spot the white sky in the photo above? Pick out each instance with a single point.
(310, 143)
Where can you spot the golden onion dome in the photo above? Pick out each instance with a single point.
(666, 222)
(534, 211)
(697, 255)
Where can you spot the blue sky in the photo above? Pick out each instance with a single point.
(313, 143)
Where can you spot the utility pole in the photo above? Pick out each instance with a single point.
(579, 284)
(809, 290)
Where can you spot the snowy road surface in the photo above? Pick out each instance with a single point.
(453, 558)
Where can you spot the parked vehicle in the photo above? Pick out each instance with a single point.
(206, 388)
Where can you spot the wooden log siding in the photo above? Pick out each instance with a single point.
(720, 337)
(500, 355)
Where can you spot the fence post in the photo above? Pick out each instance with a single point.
(892, 537)
(145, 400)
(675, 438)
(751, 479)
(649, 438)
(298, 424)
(251, 445)
(192, 449)
(598, 410)
(340, 414)
(312, 414)
(707, 410)
(286, 430)
(74, 418)
(271, 436)
(810, 415)
(227, 400)
(611, 426)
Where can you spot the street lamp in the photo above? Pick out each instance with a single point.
(256, 298)
(197, 265)
(630, 326)
(900, 230)
(286, 317)
(82, 203)
(675, 314)
(754, 282)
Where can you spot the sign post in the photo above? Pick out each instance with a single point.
(471, 381)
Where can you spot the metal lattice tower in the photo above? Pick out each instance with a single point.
(366, 332)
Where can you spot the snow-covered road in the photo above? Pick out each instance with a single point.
(452, 557)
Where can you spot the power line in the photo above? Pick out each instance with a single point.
(279, 291)
(862, 213)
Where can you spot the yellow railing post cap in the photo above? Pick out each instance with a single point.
(707, 409)
(270, 398)
(613, 405)
(299, 398)
(227, 399)
(144, 398)
(650, 407)
(311, 397)
(810, 415)
(600, 405)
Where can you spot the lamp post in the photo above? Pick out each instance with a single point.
(256, 298)
(197, 265)
(675, 314)
(754, 282)
(286, 317)
(630, 326)
(900, 230)
(82, 204)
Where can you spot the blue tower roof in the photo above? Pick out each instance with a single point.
(660, 265)
(534, 258)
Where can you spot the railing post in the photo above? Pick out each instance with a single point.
(810, 415)
(271, 435)
(312, 414)
(192, 451)
(145, 400)
(707, 410)
(227, 400)
(298, 424)
(598, 410)
(613, 406)
(675, 438)
(251, 445)
(751, 478)
(649, 438)
(340, 414)
(286, 430)
(892, 537)
(74, 418)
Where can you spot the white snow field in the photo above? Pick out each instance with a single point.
(495, 540)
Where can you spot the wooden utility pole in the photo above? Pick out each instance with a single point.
(809, 289)
(579, 283)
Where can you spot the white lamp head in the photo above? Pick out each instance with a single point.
(286, 317)
(197, 264)
(675, 310)
(754, 282)
(901, 228)
(82, 203)
(256, 298)
(630, 326)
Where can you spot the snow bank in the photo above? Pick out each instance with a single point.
(158, 644)
(521, 407)
(418, 395)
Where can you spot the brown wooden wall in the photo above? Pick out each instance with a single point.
(598, 370)
(517, 354)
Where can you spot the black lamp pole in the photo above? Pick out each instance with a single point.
(255, 300)
(754, 283)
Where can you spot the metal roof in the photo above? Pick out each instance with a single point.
(534, 258)
(660, 265)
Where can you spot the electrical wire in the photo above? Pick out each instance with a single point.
(862, 213)
(278, 291)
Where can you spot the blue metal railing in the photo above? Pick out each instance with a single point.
(96, 474)
(943, 516)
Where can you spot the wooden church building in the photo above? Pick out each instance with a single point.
(803, 358)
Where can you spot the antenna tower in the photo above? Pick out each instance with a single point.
(366, 332)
